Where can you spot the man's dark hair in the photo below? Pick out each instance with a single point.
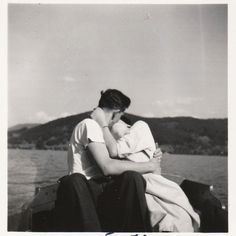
(114, 99)
(126, 120)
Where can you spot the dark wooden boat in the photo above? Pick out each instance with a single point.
(37, 215)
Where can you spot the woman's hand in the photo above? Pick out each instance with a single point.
(157, 153)
(99, 116)
(157, 156)
(156, 166)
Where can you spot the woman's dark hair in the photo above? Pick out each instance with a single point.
(114, 99)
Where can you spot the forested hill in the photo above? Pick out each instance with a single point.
(174, 134)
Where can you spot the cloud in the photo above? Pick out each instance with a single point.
(188, 100)
(41, 117)
(65, 114)
(178, 101)
(69, 79)
(164, 103)
(184, 106)
(149, 114)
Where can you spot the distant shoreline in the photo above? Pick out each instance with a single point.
(164, 152)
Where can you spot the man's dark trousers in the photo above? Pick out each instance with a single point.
(108, 204)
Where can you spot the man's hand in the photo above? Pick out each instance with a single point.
(156, 165)
(99, 116)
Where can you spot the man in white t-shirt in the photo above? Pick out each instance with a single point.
(101, 193)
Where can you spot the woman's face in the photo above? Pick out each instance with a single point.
(119, 129)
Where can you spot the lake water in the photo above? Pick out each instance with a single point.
(28, 169)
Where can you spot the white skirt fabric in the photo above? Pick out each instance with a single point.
(170, 209)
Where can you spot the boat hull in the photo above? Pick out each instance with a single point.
(37, 215)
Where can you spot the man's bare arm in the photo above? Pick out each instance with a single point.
(110, 142)
(99, 117)
(115, 167)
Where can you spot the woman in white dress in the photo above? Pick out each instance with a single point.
(168, 205)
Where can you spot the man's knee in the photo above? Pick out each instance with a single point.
(74, 181)
(77, 180)
(133, 177)
(72, 177)
(77, 177)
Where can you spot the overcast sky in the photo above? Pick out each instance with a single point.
(170, 59)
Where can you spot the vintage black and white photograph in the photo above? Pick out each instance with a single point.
(117, 118)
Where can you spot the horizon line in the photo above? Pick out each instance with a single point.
(146, 117)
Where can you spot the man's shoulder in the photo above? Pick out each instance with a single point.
(88, 122)
(89, 129)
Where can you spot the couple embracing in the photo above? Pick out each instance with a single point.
(114, 182)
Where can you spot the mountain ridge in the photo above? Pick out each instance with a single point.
(183, 135)
(22, 126)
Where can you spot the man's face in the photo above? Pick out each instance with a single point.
(116, 117)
